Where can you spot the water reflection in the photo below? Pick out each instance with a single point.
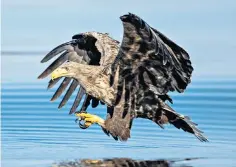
(123, 162)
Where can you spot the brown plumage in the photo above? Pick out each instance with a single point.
(133, 79)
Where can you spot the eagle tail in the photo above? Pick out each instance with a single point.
(180, 122)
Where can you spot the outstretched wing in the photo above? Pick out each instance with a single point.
(144, 48)
(150, 65)
(145, 60)
(71, 51)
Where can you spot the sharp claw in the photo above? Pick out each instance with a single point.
(88, 119)
(77, 119)
(82, 126)
(80, 119)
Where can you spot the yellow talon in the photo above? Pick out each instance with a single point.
(87, 124)
(90, 119)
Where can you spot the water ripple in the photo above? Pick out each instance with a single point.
(33, 127)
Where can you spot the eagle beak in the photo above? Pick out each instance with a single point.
(54, 75)
(58, 73)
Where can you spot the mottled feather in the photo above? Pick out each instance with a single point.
(133, 79)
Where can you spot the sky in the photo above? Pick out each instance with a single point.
(206, 29)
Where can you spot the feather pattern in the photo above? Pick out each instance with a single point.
(70, 51)
(150, 66)
(132, 79)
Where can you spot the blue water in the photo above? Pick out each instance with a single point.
(35, 133)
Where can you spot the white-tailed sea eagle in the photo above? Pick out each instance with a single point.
(132, 79)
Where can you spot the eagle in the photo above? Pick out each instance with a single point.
(132, 78)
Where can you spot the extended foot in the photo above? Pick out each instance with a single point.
(88, 119)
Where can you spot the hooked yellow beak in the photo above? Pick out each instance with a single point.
(58, 73)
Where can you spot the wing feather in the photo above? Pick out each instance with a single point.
(70, 51)
(143, 48)
(61, 88)
(59, 49)
(51, 83)
(69, 92)
(150, 65)
(59, 61)
(78, 99)
(117, 124)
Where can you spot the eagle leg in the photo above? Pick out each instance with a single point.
(89, 119)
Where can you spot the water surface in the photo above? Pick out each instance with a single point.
(35, 133)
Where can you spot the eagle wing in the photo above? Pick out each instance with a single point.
(70, 51)
(148, 66)
(144, 48)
